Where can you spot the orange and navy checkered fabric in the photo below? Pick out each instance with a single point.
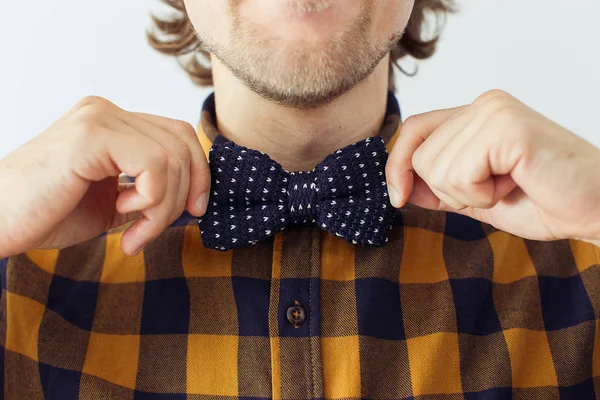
(450, 308)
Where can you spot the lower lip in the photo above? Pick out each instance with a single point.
(301, 19)
(320, 12)
(307, 6)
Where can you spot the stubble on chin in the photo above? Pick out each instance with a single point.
(301, 78)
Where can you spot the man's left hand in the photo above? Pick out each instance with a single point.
(500, 162)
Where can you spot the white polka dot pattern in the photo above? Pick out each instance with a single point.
(253, 197)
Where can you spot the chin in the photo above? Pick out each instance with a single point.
(302, 54)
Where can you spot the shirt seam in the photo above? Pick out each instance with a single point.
(310, 317)
(279, 361)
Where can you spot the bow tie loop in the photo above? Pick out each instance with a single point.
(353, 170)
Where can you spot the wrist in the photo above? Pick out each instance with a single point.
(596, 241)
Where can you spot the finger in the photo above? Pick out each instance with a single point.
(413, 133)
(158, 218)
(427, 155)
(148, 163)
(503, 187)
(482, 167)
(426, 162)
(423, 196)
(426, 197)
(451, 181)
(127, 198)
(176, 143)
(122, 219)
(448, 200)
(200, 172)
(132, 199)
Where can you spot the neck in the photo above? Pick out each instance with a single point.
(299, 139)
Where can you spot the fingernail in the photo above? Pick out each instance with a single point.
(201, 203)
(395, 198)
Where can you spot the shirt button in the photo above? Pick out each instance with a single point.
(296, 315)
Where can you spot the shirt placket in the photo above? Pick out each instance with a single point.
(294, 317)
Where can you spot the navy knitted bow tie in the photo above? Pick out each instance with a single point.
(253, 197)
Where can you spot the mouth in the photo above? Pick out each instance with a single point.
(301, 21)
(308, 6)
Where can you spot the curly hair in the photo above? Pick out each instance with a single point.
(175, 36)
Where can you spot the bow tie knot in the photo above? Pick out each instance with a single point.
(302, 192)
(253, 197)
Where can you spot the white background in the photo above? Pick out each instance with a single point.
(54, 52)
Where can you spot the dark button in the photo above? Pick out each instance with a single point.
(296, 315)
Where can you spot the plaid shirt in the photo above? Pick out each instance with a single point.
(450, 308)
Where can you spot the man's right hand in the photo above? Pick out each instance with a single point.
(61, 188)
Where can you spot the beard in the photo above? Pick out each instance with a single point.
(303, 76)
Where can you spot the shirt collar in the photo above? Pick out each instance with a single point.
(389, 132)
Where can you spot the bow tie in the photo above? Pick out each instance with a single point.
(253, 197)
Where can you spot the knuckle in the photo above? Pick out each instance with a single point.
(492, 94)
(160, 220)
(174, 167)
(437, 178)
(496, 104)
(183, 127)
(160, 158)
(92, 111)
(418, 161)
(412, 122)
(93, 102)
(487, 201)
(455, 179)
(181, 149)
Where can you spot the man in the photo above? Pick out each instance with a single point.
(482, 281)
